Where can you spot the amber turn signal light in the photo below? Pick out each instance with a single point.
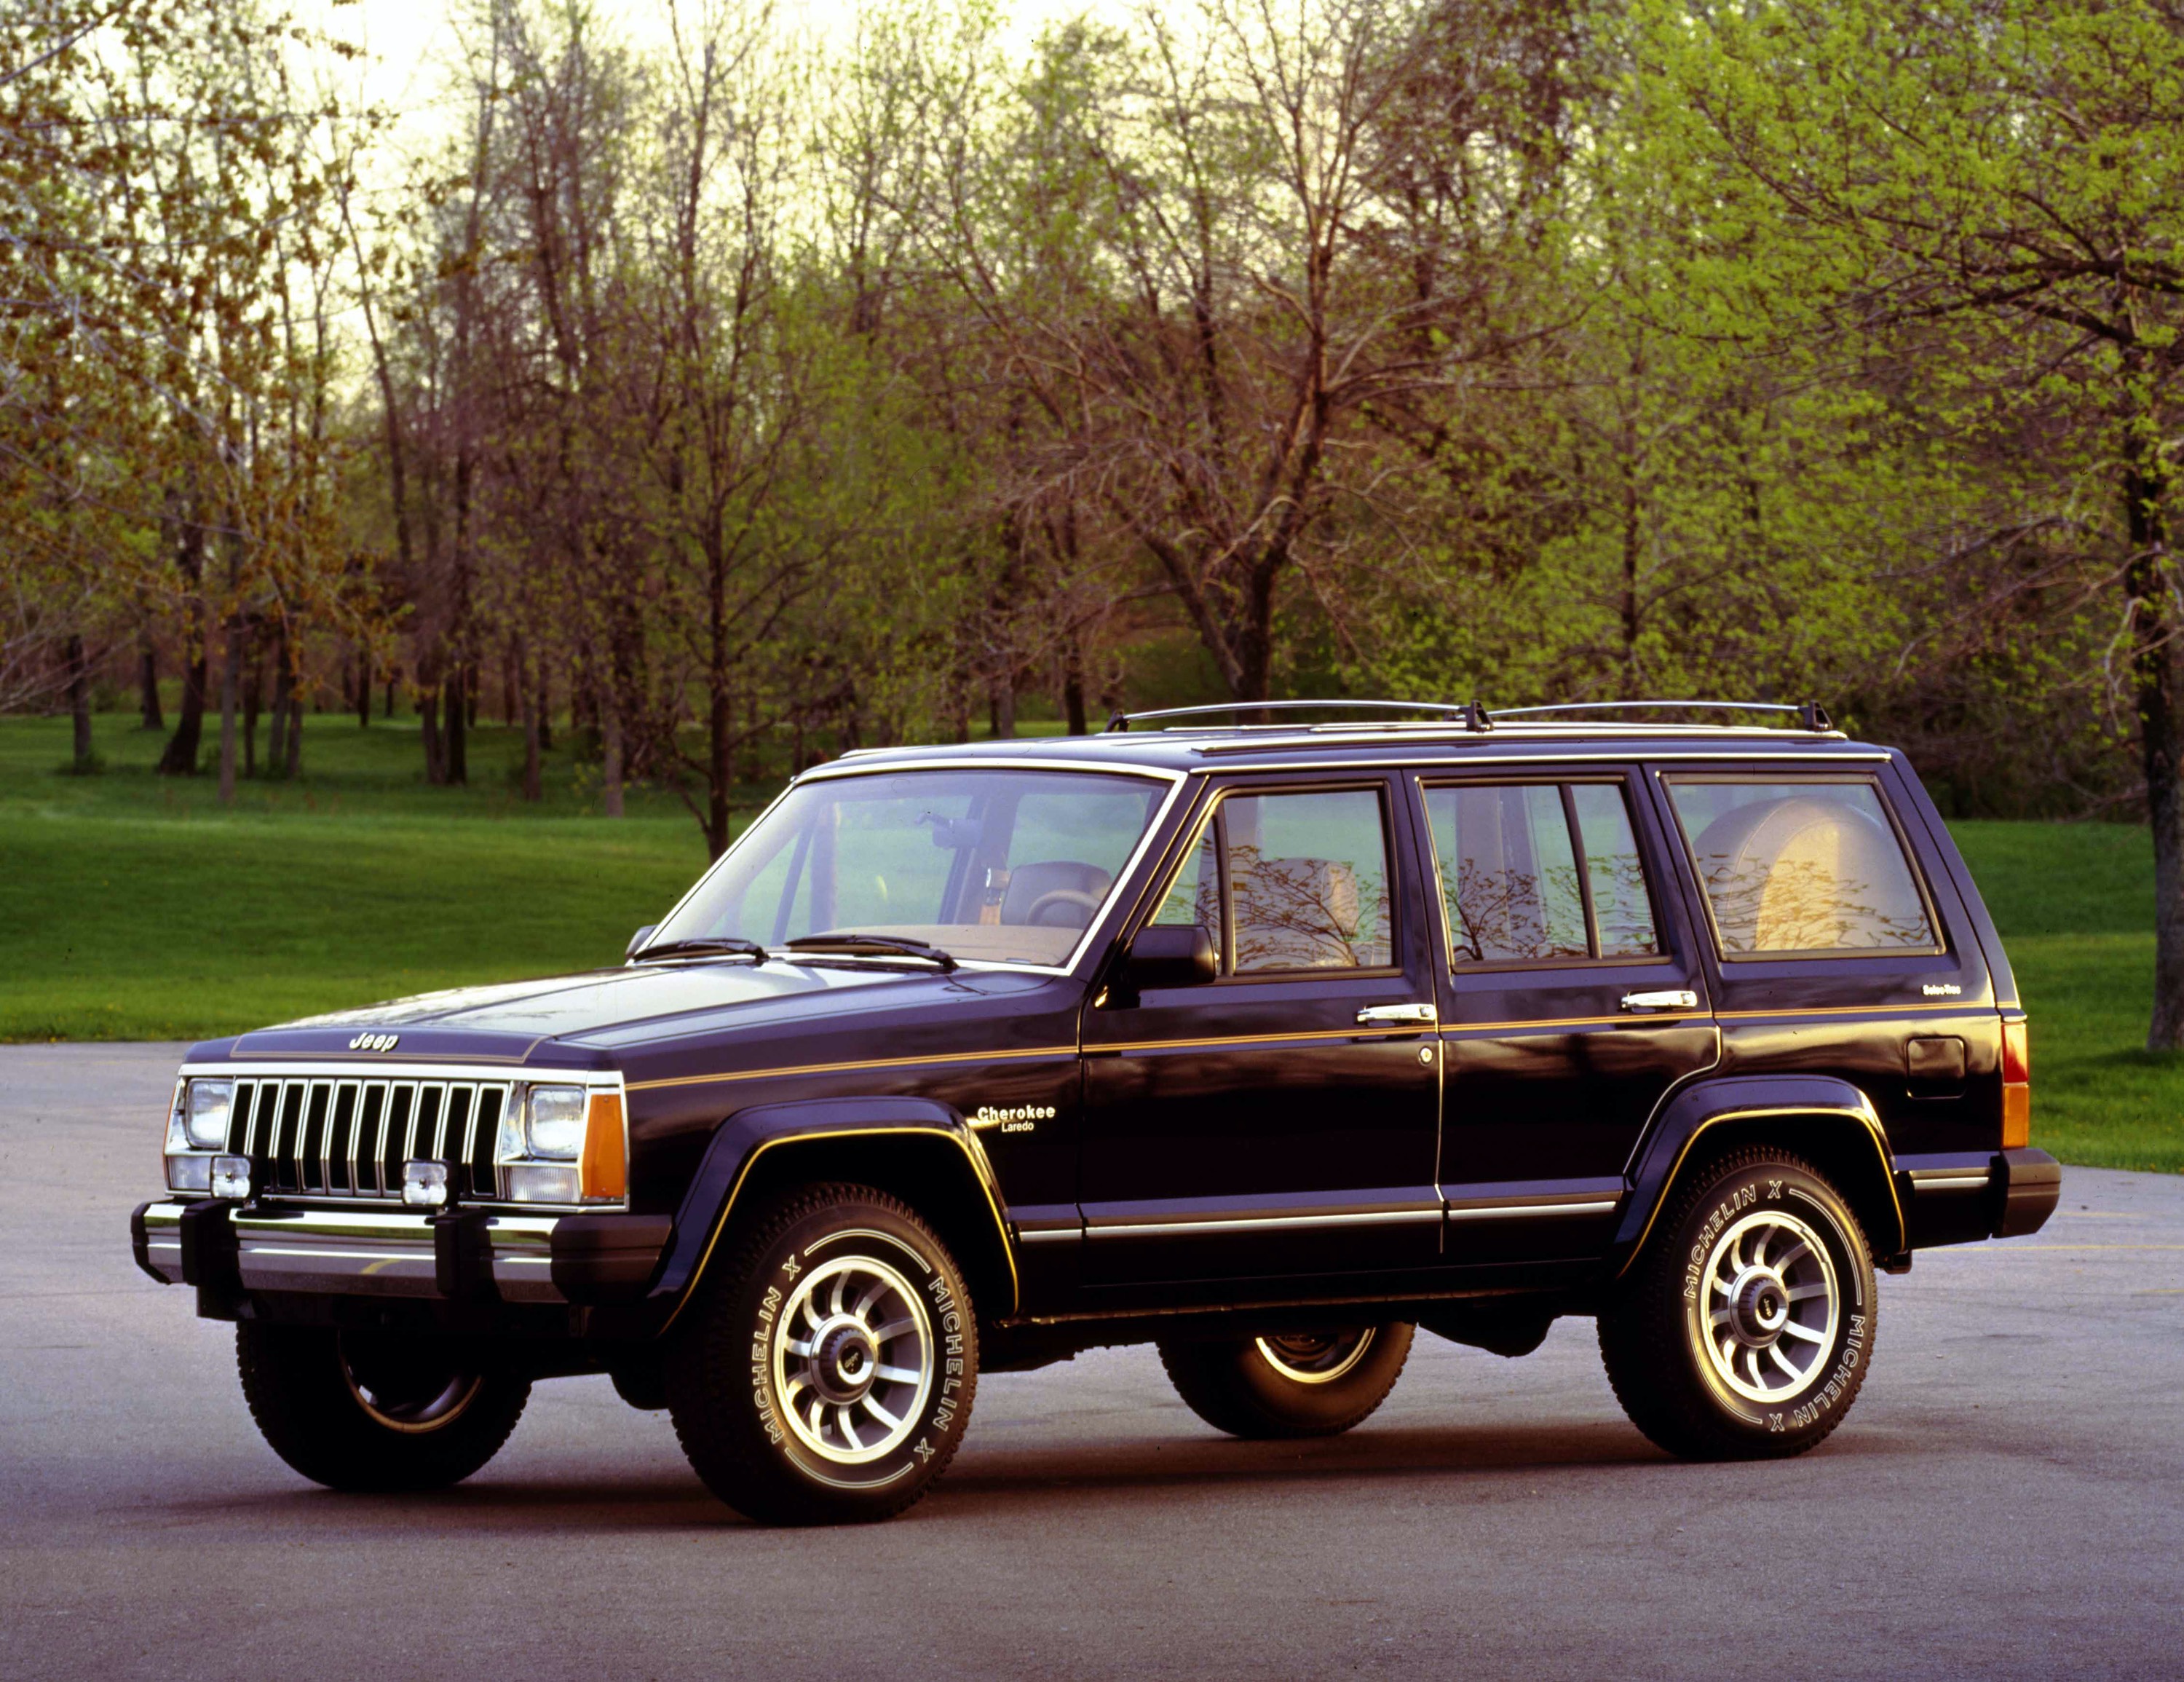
(604, 1168)
(2016, 1084)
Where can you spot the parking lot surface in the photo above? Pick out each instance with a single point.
(2006, 1499)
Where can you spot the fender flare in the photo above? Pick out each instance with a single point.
(745, 1136)
(1691, 1113)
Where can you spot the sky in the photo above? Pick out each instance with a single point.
(409, 43)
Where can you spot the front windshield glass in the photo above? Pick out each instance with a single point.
(1006, 867)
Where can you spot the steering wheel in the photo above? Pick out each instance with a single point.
(1063, 896)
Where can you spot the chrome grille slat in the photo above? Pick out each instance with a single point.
(345, 1138)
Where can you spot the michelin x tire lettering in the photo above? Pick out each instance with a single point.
(827, 1373)
(1744, 1329)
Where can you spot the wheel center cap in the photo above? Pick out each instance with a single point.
(844, 1362)
(1759, 1307)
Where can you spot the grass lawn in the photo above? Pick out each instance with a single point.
(133, 907)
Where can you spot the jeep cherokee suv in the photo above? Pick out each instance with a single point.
(1265, 1043)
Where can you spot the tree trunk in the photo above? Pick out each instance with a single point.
(364, 689)
(292, 766)
(253, 702)
(231, 682)
(458, 767)
(534, 787)
(79, 694)
(720, 775)
(393, 672)
(284, 702)
(1072, 687)
(1004, 706)
(510, 708)
(611, 759)
(428, 729)
(2153, 680)
(179, 758)
(148, 676)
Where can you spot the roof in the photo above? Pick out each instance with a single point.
(1337, 746)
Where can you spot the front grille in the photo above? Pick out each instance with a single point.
(329, 1137)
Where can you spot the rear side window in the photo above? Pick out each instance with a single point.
(1540, 872)
(1809, 866)
(1290, 882)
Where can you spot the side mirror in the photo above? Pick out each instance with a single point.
(1169, 955)
(638, 939)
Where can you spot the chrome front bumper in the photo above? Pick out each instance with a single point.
(360, 1252)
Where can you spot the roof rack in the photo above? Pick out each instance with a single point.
(1813, 715)
(1474, 714)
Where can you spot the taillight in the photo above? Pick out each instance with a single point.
(2016, 1084)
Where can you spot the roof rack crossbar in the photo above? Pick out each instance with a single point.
(1473, 715)
(1813, 715)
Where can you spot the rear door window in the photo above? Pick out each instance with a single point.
(1540, 872)
(1801, 867)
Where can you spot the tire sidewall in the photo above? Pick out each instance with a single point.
(1732, 1193)
(304, 1400)
(1238, 1390)
(752, 1309)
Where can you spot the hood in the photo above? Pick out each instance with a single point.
(585, 1020)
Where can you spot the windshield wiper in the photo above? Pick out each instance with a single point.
(849, 941)
(721, 945)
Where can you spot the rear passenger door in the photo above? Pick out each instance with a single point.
(1573, 997)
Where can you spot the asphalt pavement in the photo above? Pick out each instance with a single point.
(2006, 1499)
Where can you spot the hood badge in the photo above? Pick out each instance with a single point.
(375, 1042)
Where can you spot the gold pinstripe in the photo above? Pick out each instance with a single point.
(1398, 1031)
(844, 1068)
(1927, 1008)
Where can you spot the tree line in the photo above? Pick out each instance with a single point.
(734, 397)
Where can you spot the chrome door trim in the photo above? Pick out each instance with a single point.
(1504, 1211)
(1375, 1218)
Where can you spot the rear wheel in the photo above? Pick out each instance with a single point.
(828, 1374)
(1744, 1329)
(367, 1411)
(1289, 1383)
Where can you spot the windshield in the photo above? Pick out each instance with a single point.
(1004, 866)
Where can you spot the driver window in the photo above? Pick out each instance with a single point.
(1302, 879)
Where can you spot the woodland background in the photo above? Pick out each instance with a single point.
(717, 405)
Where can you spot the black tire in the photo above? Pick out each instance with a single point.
(1292, 1384)
(1799, 1343)
(741, 1383)
(371, 1413)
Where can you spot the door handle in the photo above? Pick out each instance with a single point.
(1412, 1016)
(1668, 999)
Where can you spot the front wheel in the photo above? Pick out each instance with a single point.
(1289, 1383)
(372, 1411)
(828, 1372)
(1744, 1329)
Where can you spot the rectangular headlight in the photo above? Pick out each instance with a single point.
(563, 1144)
(205, 1111)
(554, 1123)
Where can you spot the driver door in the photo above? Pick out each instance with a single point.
(1282, 1119)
